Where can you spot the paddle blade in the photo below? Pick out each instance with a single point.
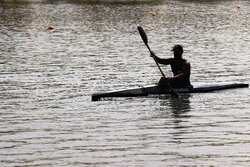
(143, 35)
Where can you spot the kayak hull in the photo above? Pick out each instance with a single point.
(155, 89)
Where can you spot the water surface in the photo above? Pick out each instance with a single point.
(47, 78)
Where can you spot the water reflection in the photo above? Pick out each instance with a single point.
(179, 107)
(179, 113)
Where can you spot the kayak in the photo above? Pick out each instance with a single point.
(155, 89)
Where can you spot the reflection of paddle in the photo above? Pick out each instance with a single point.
(145, 40)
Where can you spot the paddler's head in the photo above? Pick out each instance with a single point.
(178, 50)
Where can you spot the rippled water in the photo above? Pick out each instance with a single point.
(47, 78)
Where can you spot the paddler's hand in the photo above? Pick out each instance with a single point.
(164, 81)
(170, 80)
(152, 54)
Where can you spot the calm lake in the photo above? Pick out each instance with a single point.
(47, 78)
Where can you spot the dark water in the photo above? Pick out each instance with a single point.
(47, 78)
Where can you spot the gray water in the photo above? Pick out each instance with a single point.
(47, 78)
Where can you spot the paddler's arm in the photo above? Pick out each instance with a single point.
(161, 60)
(185, 71)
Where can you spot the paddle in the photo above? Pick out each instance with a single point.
(145, 40)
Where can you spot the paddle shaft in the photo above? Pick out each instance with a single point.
(174, 93)
(145, 40)
(156, 61)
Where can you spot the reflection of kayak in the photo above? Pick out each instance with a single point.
(154, 89)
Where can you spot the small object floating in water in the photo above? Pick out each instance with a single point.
(198, 10)
(51, 27)
(117, 7)
(153, 14)
(238, 7)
